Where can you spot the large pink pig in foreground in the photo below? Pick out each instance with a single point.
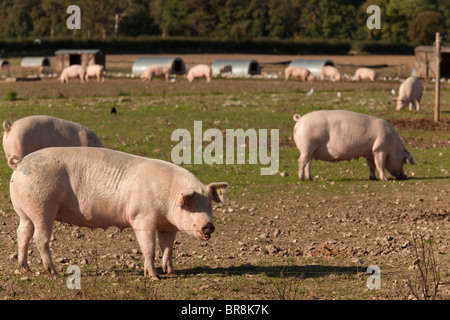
(366, 74)
(95, 70)
(409, 93)
(101, 188)
(74, 71)
(156, 71)
(298, 73)
(32, 133)
(199, 71)
(337, 135)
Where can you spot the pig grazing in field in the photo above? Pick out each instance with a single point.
(101, 188)
(366, 74)
(409, 93)
(95, 70)
(156, 71)
(74, 71)
(199, 71)
(337, 135)
(32, 133)
(330, 72)
(298, 73)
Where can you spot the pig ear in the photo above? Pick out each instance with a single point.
(217, 191)
(186, 195)
(408, 157)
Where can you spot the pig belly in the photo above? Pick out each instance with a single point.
(332, 154)
(93, 217)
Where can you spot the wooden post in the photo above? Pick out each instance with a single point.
(437, 94)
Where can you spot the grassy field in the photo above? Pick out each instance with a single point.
(276, 237)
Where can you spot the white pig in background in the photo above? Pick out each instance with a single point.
(74, 71)
(95, 70)
(199, 71)
(409, 93)
(366, 74)
(101, 188)
(32, 133)
(337, 135)
(298, 73)
(156, 71)
(330, 72)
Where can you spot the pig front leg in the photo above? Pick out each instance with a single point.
(372, 167)
(380, 159)
(146, 236)
(166, 241)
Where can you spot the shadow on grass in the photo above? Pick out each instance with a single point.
(307, 271)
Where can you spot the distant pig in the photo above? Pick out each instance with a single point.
(32, 133)
(366, 74)
(330, 72)
(199, 71)
(102, 188)
(95, 70)
(409, 93)
(298, 73)
(45, 70)
(337, 135)
(74, 71)
(156, 71)
(226, 68)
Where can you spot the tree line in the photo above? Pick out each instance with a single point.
(402, 21)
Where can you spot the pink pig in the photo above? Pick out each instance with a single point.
(366, 74)
(101, 188)
(32, 133)
(409, 93)
(338, 135)
(330, 72)
(156, 71)
(199, 71)
(95, 70)
(74, 71)
(298, 73)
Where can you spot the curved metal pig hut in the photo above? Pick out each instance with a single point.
(176, 65)
(238, 67)
(35, 62)
(314, 66)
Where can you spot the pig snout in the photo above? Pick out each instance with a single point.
(207, 230)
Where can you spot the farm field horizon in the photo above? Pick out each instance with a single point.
(315, 239)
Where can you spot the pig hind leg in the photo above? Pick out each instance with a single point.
(166, 241)
(43, 227)
(24, 234)
(304, 166)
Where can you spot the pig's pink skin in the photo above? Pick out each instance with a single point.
(330, 72)
(199, 71)
(298, 73)
(337, 135)
(366, 74)
(101, 188)
(409, 93)
(32, 133)
(95, 70)
(74, 71)
(156, 71)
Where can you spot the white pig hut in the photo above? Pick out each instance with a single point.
(35, 62)
(426, 64)
(238, 67)
(4, 63)
(175, 64)
(314, 66)
(84, 57)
